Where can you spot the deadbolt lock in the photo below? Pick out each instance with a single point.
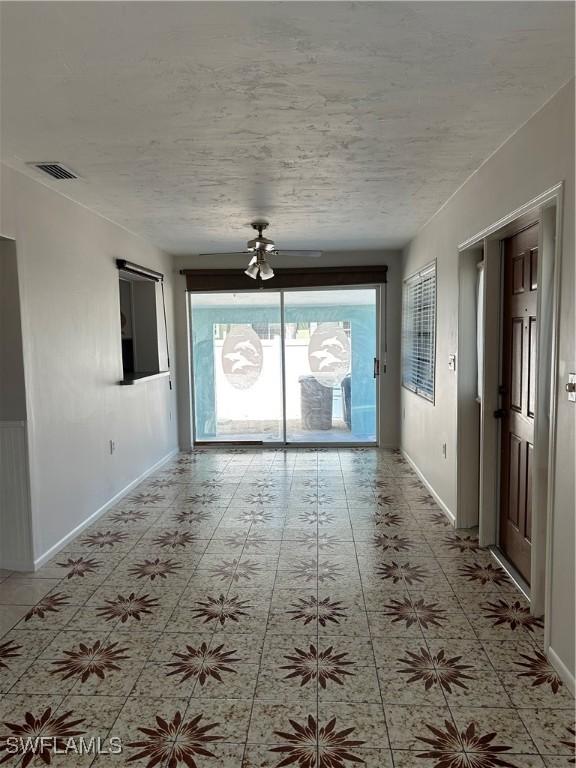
(571, 387)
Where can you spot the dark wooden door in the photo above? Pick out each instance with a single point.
(518, 396)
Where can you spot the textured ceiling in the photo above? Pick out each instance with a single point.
(346, 125)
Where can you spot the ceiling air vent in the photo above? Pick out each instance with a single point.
(55, 170)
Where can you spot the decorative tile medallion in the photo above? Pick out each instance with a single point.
(203, 663)
(222, 609)
(309, 745)
(452, 748)
(175, 742)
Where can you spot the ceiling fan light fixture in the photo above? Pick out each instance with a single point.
(266, 271)
(252, 270)
(259, 265)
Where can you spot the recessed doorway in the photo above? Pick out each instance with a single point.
(287, 367)
(517, 335)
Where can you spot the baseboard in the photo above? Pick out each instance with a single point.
(18, 565)
(39, 561)
(443, 506)
(567, 677)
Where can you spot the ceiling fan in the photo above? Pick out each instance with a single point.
(260, 247)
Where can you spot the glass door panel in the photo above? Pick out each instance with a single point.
(237, 366)
(330, 343)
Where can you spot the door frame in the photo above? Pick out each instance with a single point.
(547, 209)
(380, 350)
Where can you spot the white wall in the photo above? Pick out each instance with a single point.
(390, 414)
(535, 158)
(72, 358)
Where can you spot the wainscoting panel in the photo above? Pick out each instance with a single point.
(16, 546)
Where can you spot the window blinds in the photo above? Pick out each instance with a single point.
(419, 332)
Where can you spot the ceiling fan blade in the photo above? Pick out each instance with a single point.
(226, 253)
(304, 254)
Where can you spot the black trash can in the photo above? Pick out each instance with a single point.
(346, 402)
(315, 404)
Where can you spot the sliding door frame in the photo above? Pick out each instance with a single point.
(380, 352)
(283, 364)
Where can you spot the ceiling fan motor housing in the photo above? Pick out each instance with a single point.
(261, 244)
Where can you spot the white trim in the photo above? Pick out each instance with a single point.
(442, 504)
(39, 561)
(552, 421)
(562, 669)
(511, 572)
(469, 405)
(489, 399)
(546, 197)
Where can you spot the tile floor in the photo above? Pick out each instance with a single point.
(259, 608)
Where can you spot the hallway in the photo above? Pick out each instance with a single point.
(258, 608)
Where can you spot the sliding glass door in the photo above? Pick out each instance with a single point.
(292, 366)
(329, 351)
(237, 366)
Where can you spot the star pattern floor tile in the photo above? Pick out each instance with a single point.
(253, 608)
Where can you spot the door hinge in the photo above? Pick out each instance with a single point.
(499, 413)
